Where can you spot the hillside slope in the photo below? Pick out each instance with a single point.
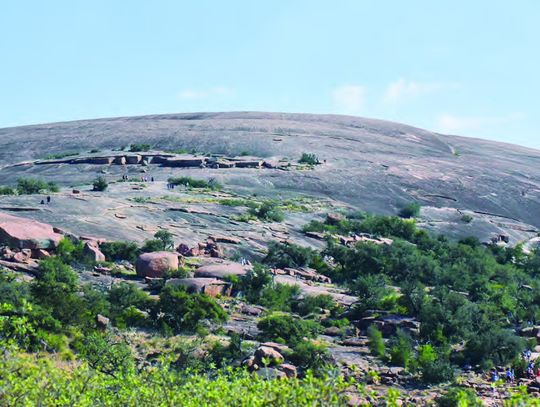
(374, 165)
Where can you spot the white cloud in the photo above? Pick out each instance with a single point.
(403, 90)
(198, 94)
(349, 99)
(451, 124)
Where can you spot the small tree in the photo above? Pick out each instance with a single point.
(309, 158)
(376, 341)
(100, 184)
(166, 239)
(411, 210)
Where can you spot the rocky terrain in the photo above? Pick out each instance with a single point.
(466, 187)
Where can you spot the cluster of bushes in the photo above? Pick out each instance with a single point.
(55, 305)
(460, 292)
(139, 147)
(22, 383)
(189, 182)
(29, 186)
(290, 255)
(309, 158)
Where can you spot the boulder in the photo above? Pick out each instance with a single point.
(91, 249)
(221, 270)
(334, 218)
(183, 249)
(25, 233)
(250, 363)
(266, 353)
(156, 264)
(252, 310)
(209, 286)
(276, 346)
(289, 370)
(102, 321)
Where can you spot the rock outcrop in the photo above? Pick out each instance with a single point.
(25, 233)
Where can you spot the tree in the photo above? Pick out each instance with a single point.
(288, 255)
(107, 355)
(100, 184)
(56, 289)
(411, 210)
(166, 239)
(183, 311)
(309, 158)
(376, 341)
(285, 328)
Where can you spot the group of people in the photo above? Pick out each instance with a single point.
(143, 178)
(531, 371)
(48, 199)
(170, 186)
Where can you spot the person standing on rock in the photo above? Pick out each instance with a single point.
(48, 199)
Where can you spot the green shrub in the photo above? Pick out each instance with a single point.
(100, 184)
(314, 304)
(152, 245)
(308, 355)
(268, 211)
(458, 397)
(106, 355)
(376, 342)
(182, 311)
(138, 147)
(117, 251)
(467, 218)
(288, 255)
(310, 159)
(56, 289)
(401, 350)
(39, 381)
(189, 182)
(29, 186)
(278, 297)
(70, 251)
(411, 210)
(285, 328)
(7, 191)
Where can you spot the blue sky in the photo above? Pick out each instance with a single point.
(459, 67)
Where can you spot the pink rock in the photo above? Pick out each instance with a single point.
(25, 233)
(40, 254)
(91, 249)
(156, 264)
(221, 270)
